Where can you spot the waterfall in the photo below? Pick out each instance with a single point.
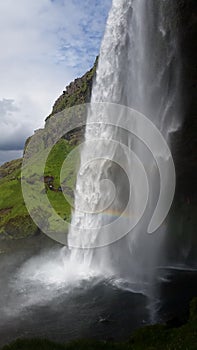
(138, 67)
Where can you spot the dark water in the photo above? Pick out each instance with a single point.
(43, 305)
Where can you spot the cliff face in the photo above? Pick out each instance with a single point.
(77, 92)
(186, 142)
(181, 238)
(15, 221)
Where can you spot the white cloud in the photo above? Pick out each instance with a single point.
(13, 129)
(44, 45)
(6, 156)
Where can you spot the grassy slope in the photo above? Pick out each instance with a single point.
(53, 167)
(15, 221)
(158, 337)
(13, 212)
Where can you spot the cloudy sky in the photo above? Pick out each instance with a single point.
(44, 45)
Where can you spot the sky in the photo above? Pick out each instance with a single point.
(45, 44)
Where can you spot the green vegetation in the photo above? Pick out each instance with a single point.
(53, 167)
(14, 218)
(148, 338)
(78, 92)
(15, 221)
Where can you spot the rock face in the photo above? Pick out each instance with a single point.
(186, 142)
(181, 240)
(15, 222)
(77, 92)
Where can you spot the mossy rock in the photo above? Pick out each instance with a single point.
(77, 92)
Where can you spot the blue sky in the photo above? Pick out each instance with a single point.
(44, 45)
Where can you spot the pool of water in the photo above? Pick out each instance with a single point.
(42, 295)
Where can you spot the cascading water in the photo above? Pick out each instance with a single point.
(138, 67)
